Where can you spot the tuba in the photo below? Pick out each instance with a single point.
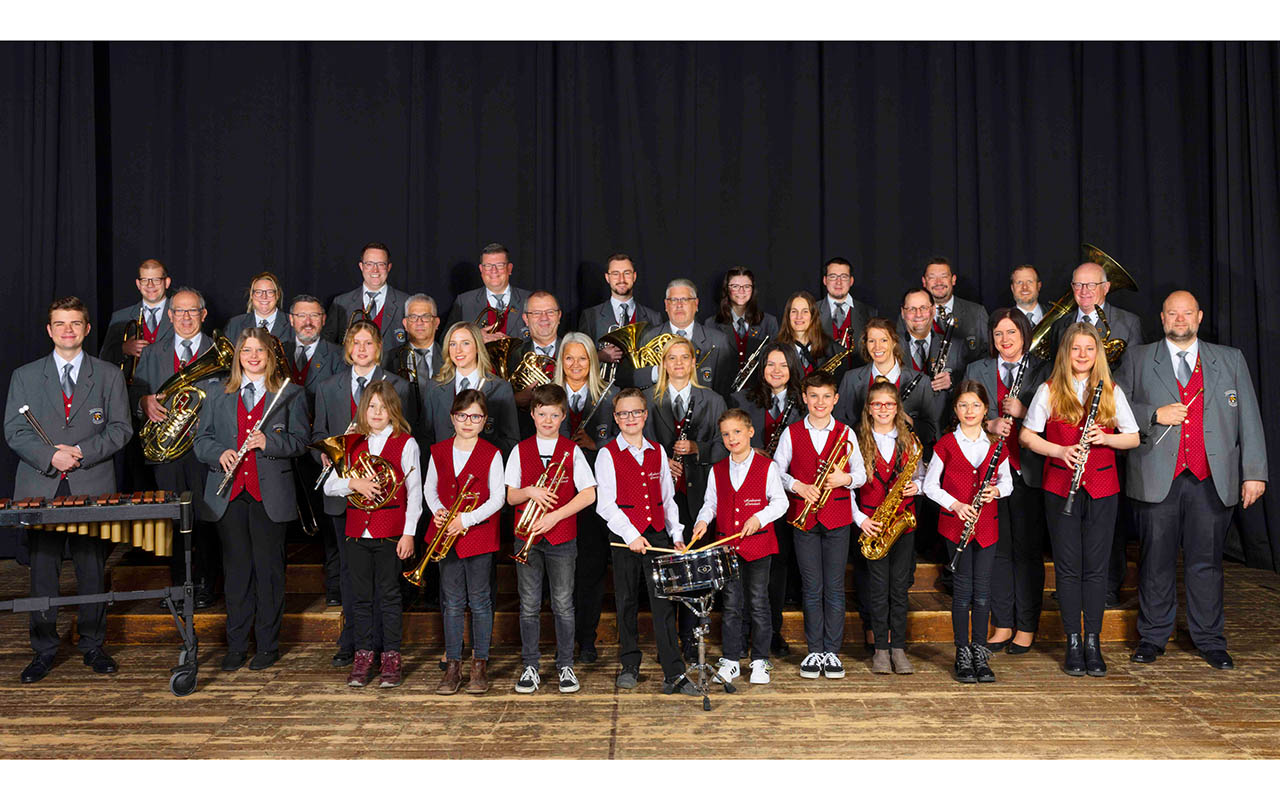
(173, 436)
(1116, 276)
(532, 371)
(499, 350)
(831, 464)
(442, 543)
(551, 479)
(892, 524)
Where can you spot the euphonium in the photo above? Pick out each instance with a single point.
(551, 479)
(833, 463)
(531, 371)
(173, 436)
(382, 473)
(443, 542)
(876, 546)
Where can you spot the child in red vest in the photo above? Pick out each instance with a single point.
(464, 572)
(886, 439)
(744, 495)
(554, 548)
(377, 540)
(956, 472)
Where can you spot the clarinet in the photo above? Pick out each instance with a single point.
(1084, 450)
(779, 427)
(582, 426)
(244, 448)
(910, 387)
(683, 436)
(940, 361)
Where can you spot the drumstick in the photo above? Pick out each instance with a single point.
(719, 542)
(647, 549)
(1179, 425)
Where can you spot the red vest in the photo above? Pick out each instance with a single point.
(770, 421)
(1011, 442)
(639, 486)
(531, 469)
(735, 506)
(491, 316)
(741, 342)
(872, 493)
(66, 406)
(149, 335)
(804, 468)
(1191, 454)
(837, 332)
(387, 521)
(1100, 478)
(961, 480)
(247, 473)
(480, 538)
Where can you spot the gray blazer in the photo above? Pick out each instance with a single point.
(940, 402)
(920, 405)
(596, 321)
(1124, 325)
(502, 429)
(1233, 435)
(717, 371)
(395, 361)
(985, 372)
(155, 366)
(282, 329)
(756, 413)
(347, 303)
(99, 426)
(861, 314)
(113, 340)
(326, 360)
(660, 426)
(766, 331)
(467, 306)
(602, 427)
(972, 340)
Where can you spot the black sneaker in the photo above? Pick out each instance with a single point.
(529, 680)
(981, 670)
(628, 678)
(342, 658)
(568, 681)
(587, 654)
(234, 660)
(681, 684)
(811, 665)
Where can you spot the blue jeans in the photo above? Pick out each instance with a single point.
(821, 555)
(750, 588)
(465, 581)
(558, 562)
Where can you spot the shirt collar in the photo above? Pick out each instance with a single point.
(645, 444)
(683, 394)
(473, 380)
(271, 320)
(982, 436)
(158, 306)
(831, 303)
(676, 330)
(950, 305)
(309, 349)
(1094, 313)
(738, 466)
(534, 345)
(257, 385)
(75, 363)
(364, 294)
(891, 435)
(195, 343)
(381, 436)
(893, 374)
(831, 424)
(505, 294)
(1193, 353)
(928, 341)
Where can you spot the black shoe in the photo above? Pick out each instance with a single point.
(690, 653)
(963, 670)
(234, 660)
(204, 596)
(587, 654)
(1113, 600)
(996, 647)
(37, 669)
(1146, 653)
(332, 600)
(264, 660)
(1218, 659)
(342, 658)
(1015, 649)
(1093, 663)
(680, 684)
(779, 647)
(981, 670)
(102, 663)
(1073, 665)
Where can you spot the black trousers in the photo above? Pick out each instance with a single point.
(633, 575)
(374, 568)
(862, 578)
(1081, 552)
(1193, 518)
(1017, 577)
(253, 563)
(1126, 528)
(187, 474)
(687, 620)
(89, 557)
(888, 585)
(971, 595)
(747, 597)
(784, 574)
(346, 639)
(589, 577)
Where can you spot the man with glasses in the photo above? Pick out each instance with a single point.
(153, 286)
(620, 309)
(840, 313)
(375, 300)
(263, 310)
(716, 364)
(1089, 285)
(971, 336)
(419, 351)
(1024, 285)
(542, 318)
(495, 307)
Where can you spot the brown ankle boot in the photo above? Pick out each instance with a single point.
(479, 683)
(452, 677)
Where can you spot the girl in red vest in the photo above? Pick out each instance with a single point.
(464, 572)
(377, 540)
(1081, 541)
(801, 329)
(955, 476)
(885, 438)
(744, 495)
(554, 535)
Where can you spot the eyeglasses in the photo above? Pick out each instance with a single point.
(495, 266)
(882, 405)
(681, 301)
(1091, 286)
(309, 316)
(741, 287)
(615, 274)
(376, 265)
(420, 317)
(917, 311)
(542, 314)
(264, 292)
(631, 414)
(474, 419)
(838, 277)
(185, 312)
(152, 281)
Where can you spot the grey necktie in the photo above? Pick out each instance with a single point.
(246, 396)
(424, 364)
(575, 403)
(1184, 370)
(68, 385)
(1008, 374)
(685, 334)
(777, 407)
(464, 384)
(677, 405)
(840, 315)
(372, 308)
(742, 327)
(499, 305)
(546, 351)
(300, 358)
(262, 323)
(1087, 319)
(153, 318)
(922, 357)
(360, 382)
(624, 315)
(186, 351)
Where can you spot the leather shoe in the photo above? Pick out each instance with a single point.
(1113, 600)
(342, 658)
(204, 597)
(234, 660)
(1094, 666)
(588, 655)
(1218, 659)
(1015, 649)
(1146, 653)
(37, 669)
(102, 663)
(779, 647)
(996, 647)
(333, 600)
(1073, 665)
(263, 660)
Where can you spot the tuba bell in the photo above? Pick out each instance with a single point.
(499, 351)
(173, 436)
(1116, 275)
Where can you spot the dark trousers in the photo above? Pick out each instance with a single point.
(1081, 550)
(253, 563)
(862, 579)
(589, 577)
(346, 639)
(1017, 577)
(89, 557)
(784, 575)
(633, 574)
(374, 568)
(888, 585)
(307, 471)
(971, 593)
(463, 582)
(1192, 517)
(187, 474)
(555, 563)
(822, 555)
(1126, 528)
(750, 590)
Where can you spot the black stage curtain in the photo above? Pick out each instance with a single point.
(226, 159)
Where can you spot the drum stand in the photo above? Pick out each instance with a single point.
(701, 606)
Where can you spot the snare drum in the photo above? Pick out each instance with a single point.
(694, 574)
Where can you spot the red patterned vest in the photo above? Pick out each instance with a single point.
(1011, 442)
(804, 468)
(1191, 454)
(1100, 478)
(480, 538)
(961, 480)
(387, 521)
(639, 486)
(872, 493)
(735, 506)
(531, 468)
(247, 473)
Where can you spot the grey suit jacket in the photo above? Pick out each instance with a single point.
(602, 427)
(717, 371)
(155, 366)
(99, 426)
(1233, 435)
(1124, 325)
(940, 402)
(598, 320)
(113, 340)
(326, 360)
(287, 431)
(660, 426)
(501, 429)
(333, 414)
(396, 362)
(347, 303)
(766, 331)
(920, 405)
(757, 414)
(972, 340)
(282, 330)
(467, 306)
(985, 372)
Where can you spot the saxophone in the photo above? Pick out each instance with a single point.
(892, 524)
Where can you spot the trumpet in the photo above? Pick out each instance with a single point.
(443, 542)
(833, 463)
(551, 479)
(133, 330)
(748, 369)
(244, 448)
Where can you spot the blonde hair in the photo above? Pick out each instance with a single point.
(866, 427)
(660, 388)
(273, 379)
(390, 401)
(595, 386)
(262, 276)
(348, 338)
(448, 369)
(1063, 401)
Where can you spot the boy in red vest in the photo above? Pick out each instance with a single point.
(554, 548)
(635, 497)
(744, 495)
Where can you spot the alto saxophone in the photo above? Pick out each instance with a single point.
(876, 546)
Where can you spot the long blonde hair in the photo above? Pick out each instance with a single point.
(660, 388)
(595, 386)
(273, 378)
(866, 427)
(448, 369)
(390, 401)
(1063, 401)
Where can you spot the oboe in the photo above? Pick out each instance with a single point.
(1082, 455)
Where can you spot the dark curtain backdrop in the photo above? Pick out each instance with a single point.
(225, 159)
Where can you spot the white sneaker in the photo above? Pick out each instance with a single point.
(529, 680)
(831, 666)
(811, 666)
(728, 671)
(760, 669)
(568, 681)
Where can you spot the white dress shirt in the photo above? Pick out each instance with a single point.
(308, 350)
(1094, 314)
(368, 379)
(75, 363)
(497, 494)
(259, 387)
(195, 344)
(607, 492)
(1038, 413)
(776, 498)
(617, 306)
(271, 320)
(975, 452)
(1034, 315)
(891, 376)
(1193, 354)
(582, 477)
(584, 393)
(782, 457)
(380, 297)
(491, 297)
(474, 380)
(335, 486)
(886, 444)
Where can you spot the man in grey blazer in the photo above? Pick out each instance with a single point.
(620, 309)
(1186, 486)
(839, 310)
(1089, 284)
(972, 339)
(264, 310)
(420, 325)
(716, 357)
(922, 343)
(80, 403)
(498, 300)
(383, 303)
(153, 287)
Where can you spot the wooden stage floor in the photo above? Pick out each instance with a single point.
(1176, 708)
